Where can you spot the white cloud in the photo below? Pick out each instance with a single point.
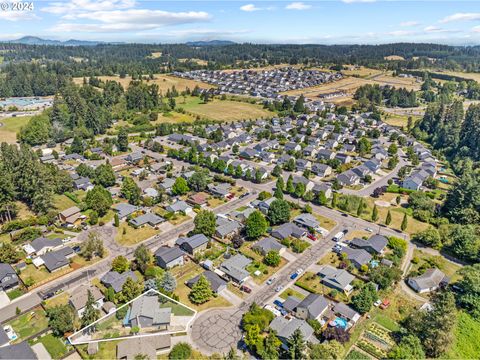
(132, 19)
(409, 23)
(436, 29)
(461, 17)
(358, 1)
(249, 8)
(401, 33)
(12, 36)
(72, 7)
(298, 6)
(204, 32)
(476, 29)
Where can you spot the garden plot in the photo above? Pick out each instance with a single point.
(149, 314)
(376, 341)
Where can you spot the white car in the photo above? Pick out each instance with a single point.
(369, 229)
(67, 239)
(299, 271)
(377, 303)
(278, 288)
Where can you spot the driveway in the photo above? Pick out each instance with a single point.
(4, 299)
(231, 297)
(287, 255)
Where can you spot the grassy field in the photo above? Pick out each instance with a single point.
(466, 75)
(11, 126)
(29, 323)
(132, 235)
(106, 350)
(290, 292)
(62, 202)
(41, 275)
(224, 110)
(183, 290)
(61, 299)
(399, 120)
(465, 343)
(55, 347)
(173, 117)
(163, 81)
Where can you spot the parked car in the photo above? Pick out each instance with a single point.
(377, 303)
(246, 289)
(270, 281)
(278, 303)
(311, 237)
(345, 231)
(76, 249)
(244, 195)
(369, 229)
(293, 276)
(279, 288)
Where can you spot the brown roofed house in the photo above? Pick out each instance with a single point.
(198, 199)
(70, 215)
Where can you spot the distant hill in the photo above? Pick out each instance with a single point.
(34, 40)
(210, 43)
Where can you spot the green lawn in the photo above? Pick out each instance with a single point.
(15, 293)
(465, 343)
(426, 261)
(29, 324)
(63, 202)
(223, 110)
(11, 126)
(133, 236)
(55, 346)
(290, 292)
(106, 350)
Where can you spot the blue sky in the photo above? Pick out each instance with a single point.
(323, 22)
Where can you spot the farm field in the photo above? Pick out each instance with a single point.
(466, 75)
(224, 110)
(11, 126)
(163, 81)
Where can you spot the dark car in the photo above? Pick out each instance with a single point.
(47, 296)
(344, 215)
(278, 303)
(293, 276)
(77, 249)
(245, 289)
(345, 231)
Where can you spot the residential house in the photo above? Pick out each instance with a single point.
(147, 347)
(312, 307)
(302, 164)
(430, 280)
(321, 170)
(264, 205)
(268, 244)
(307, 221)
(361, 171)
(181, 207)
(217, 284)
(373, 165)
(41, 245)
(83, 183)
(234, 268)
(198, 199)
(78, 299)
(226, 228)
(124, 209)
(343, 158)
(168, 257)
(286, 327)
(193, 244)
(148, 218)
(8, 277)
(358, 257)
(70, 215)
(115, 280)
(248, 153)
(134, 157)
(348, 178)
(325, 154)
(145, 312)
(326, 188)
(302, 179)
(376, 244)
(167, 184)
(288, 229)
(338, 279)
(346, 312)
(56, 260)
(221, 190)
(292, 146)
(20, 351)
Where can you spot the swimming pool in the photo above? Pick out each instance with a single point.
(339, 322)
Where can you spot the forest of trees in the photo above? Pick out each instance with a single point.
(391, 96)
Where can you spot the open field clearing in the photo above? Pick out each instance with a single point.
(11, 126)
(393, 57)
(398, 82)
(461, 74)
(197, 61)
(163, 81)
(347, 84)
(361, 72)
(224, 110)
(398, 119)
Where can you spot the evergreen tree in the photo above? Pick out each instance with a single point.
(404, 222)
(90, 313)
(297, 346)
(388, 220)
(201, 291)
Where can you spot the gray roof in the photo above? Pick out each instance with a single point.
(228, 227)
(80, 296)
(291, 303)
(358, 257)
(167, 183)
(168, 254)
(149, 307)
(235, 267)
(268, 244)
(178, 206)
(286, 230)
(220, 189)
(148, 218)
(344, 310)
(147, 345)
(429, 279)
(315, 305)
(4, 339)
(338, 278)
(21, 351)
(216, 282)
(193, 241)
(7, 271)
(115, 280)
(54, 260)
(376, 243)
(124, 209)
(41, 242)
(306, 219)
(285, 328)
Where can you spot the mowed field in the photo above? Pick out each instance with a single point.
(466, 75)
(224, 110)
(10, 127)
(163, 81)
